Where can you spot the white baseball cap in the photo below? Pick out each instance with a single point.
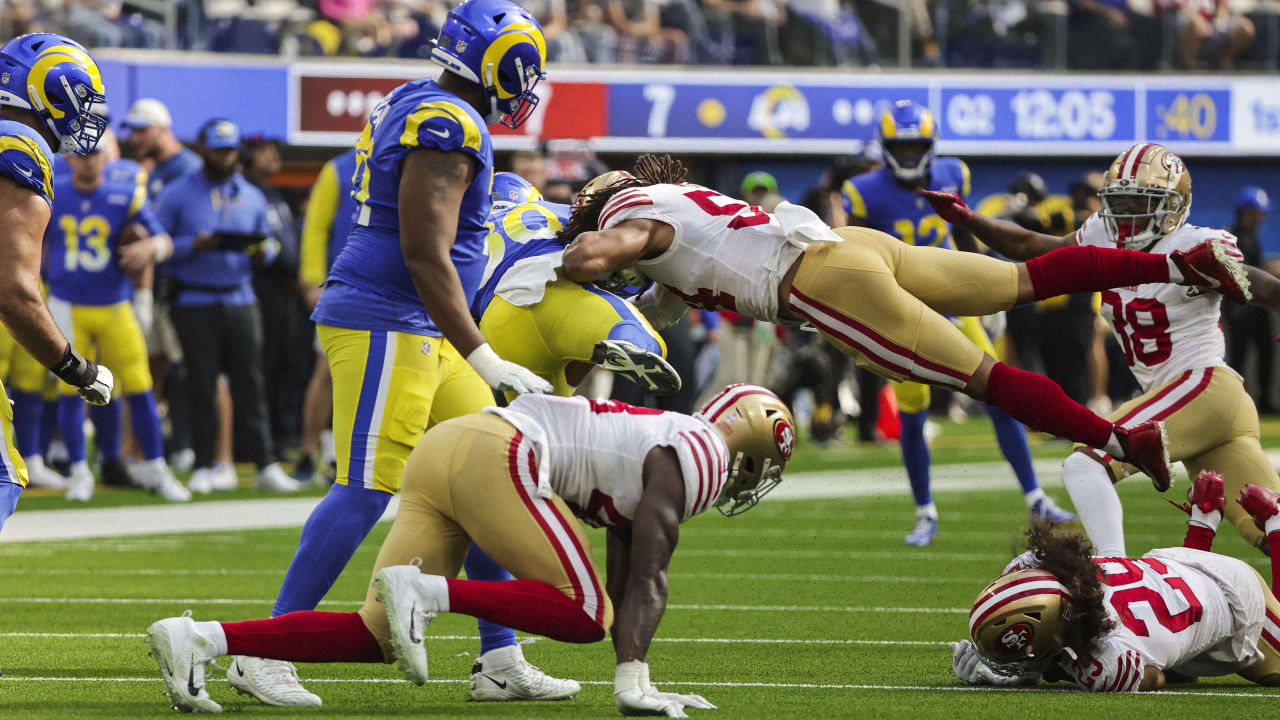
(147, 112)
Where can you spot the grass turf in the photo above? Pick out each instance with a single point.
(855, 621)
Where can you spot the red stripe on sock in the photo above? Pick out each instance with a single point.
(527, 605)
(1078, 268)
(305, 636)
(1038, 402)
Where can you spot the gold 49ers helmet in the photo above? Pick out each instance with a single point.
(1146, 195)
(598, 183)
(760, 433)
(1019, 620)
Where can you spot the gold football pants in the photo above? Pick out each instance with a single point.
(1267, 672)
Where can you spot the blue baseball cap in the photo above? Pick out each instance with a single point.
(219, 133)
(1252, 198)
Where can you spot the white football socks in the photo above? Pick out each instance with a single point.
(1175, 274)
(1097, 504)
(1034, 496)
(212, 631)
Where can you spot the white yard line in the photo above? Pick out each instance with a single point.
(710, 683)
(473, 638)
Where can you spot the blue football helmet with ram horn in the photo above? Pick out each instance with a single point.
(509, 190)
(54, 77)
(907, 134)
(498, 45)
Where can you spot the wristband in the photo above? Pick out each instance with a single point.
(633, 674)
(74, 370)
(485, 361)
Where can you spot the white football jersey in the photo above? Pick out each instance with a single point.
(726, 254)
(1196, 612)
(1164, 333)
(592, 453)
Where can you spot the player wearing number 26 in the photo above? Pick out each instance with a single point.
(1171, 338)
(875, 298)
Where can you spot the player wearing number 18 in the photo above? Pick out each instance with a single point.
(875, 298)
(1171, 338)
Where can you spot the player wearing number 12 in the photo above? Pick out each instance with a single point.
(873, 297)
(888, 199)
(1171, 338)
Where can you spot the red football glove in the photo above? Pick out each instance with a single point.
(949, 206)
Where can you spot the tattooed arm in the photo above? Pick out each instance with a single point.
(432, 184)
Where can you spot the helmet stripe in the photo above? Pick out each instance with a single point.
(1004, 582)
(716, 406)
(1133, 160)
(1024, 587)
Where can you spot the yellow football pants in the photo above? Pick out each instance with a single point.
(474, 480)
(563, 328)
(388, 388)
(882, 302)
(109, 334)
(12, 468)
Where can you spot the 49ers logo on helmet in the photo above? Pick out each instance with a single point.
(1173, 163)
(1016, 638)
(785, 437)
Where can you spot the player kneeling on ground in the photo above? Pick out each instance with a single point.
(507, 480)
(1061, 611)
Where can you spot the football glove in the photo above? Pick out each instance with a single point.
(92, 380)
(949, 207)
(503, 375)
(633, 694)
(973, 669)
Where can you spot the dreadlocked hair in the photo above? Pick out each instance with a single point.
(1068, 556)
(649, 169)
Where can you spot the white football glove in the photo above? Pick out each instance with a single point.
(971, 668)
(503, 375)
(98, 392)
(633, 694)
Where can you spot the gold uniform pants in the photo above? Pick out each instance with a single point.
(882, 302)
(471, 480)
(1267, 672)
(1212, 424)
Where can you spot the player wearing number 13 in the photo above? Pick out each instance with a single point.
(1172, 339)
(875, 298)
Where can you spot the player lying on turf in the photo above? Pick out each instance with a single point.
(1172, 338)
(1065, 611)
(537, 319)
(507, 480)
(877, 299)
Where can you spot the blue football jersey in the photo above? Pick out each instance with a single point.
(516, 233)
(25, 158)
(882, 203)
(369, 285)
(344, 217)
(82, 266)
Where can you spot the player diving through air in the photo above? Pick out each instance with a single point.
(508, 479)
(875, 298)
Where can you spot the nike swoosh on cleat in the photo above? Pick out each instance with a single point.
(501, 685)
(191, 679)
(238, 669)
(413, 616)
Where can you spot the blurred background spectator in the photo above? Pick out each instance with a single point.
(1250, 330)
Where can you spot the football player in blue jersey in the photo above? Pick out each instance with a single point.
(48, 89)
(888, 200)
(556, 327)
(90, 297)
(395, 320)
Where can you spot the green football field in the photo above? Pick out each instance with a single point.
(804, 607)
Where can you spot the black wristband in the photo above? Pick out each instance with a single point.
(74, 370)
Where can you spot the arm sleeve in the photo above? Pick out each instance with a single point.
(322, 208)
(660, 307)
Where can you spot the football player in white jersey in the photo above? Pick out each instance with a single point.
(508, 480)
(877, 299)
(1171, 337)
(1067, 611)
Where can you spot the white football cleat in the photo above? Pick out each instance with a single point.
(182, 654)
(201, 482)
(155, 475)
(275, 479)
(402, 590)
(503, 675)
(80, 486)
(223, 477)
(40, 475)
(274, 682)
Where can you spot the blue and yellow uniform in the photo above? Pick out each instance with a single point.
(89, 292)
(25, 159)
(330, 211)
(533, 316)
(877, 200)
(393, 373)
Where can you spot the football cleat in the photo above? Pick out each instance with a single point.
(115, 474)
(274, 479)
(1214, 265)
(409, 611)
(182, 654)
(41, 475)
(80, 486)
(156, 476)
(923, 533)
(648, 370)
(504, 675)
(1147, 447)
(1261, 504)
(274, 682)
(1206, 492)
(201, 482)
(1047, 509)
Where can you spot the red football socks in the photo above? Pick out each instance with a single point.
(305, 636)
(1076, 268)
(1198, 537)
(528, 605)
(1273, 542)
(1038, 402)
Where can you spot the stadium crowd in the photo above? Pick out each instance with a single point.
(1080, 34)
